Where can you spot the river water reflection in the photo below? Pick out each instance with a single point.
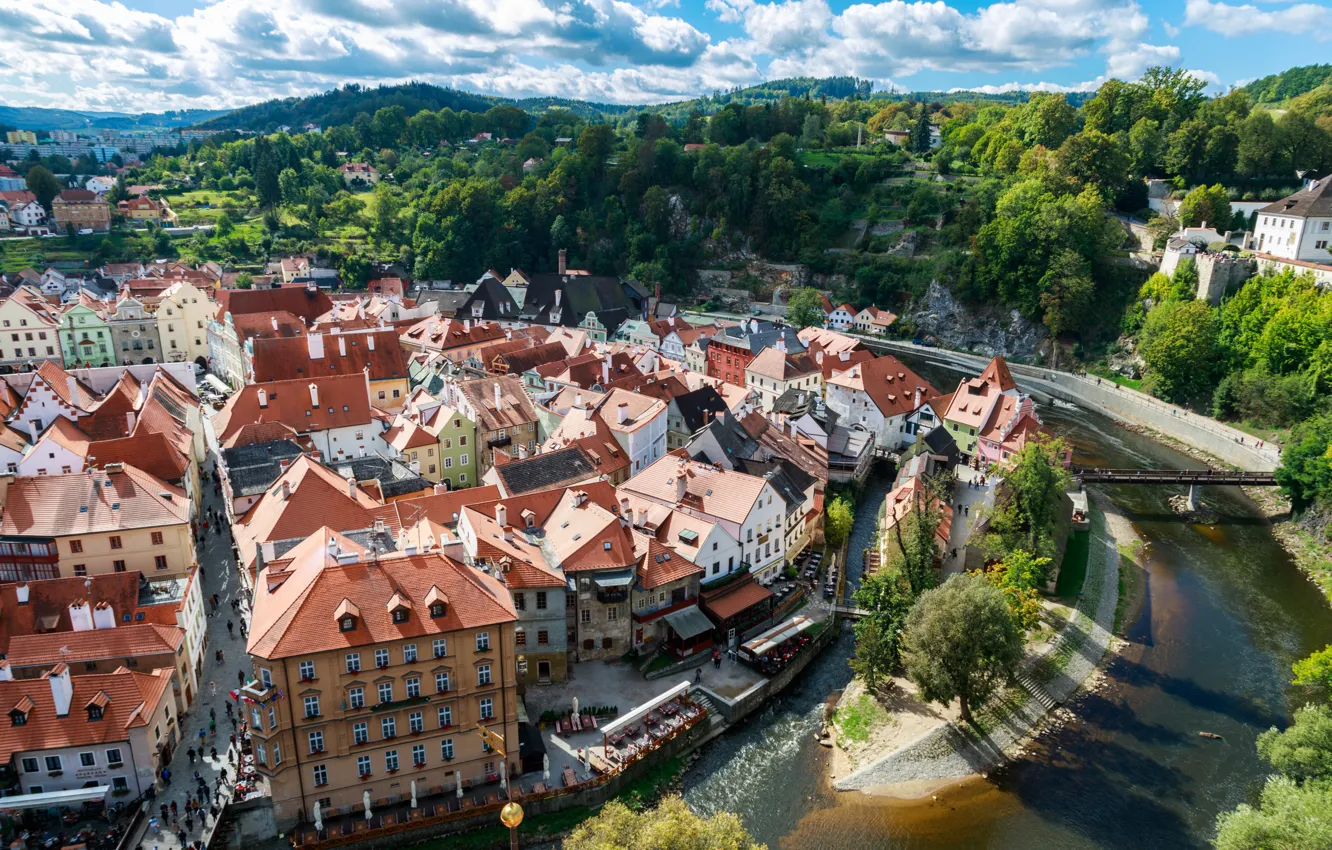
(1225, 613)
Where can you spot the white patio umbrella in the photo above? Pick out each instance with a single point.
(575, 705)
(413, 793)
(504, 777)
(318, 817)
(366, 798)
(545, 767)
(458, 773)
(587, 758)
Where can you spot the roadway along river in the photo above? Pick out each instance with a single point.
(1225, 614)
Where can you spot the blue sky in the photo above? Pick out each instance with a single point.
(149, 55)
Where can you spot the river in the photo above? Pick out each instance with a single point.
(1225, 613)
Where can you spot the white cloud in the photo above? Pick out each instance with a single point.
(1223, 18)
(100, 54)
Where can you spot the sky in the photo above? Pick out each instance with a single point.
(152, 55)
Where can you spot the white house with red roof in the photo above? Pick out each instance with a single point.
(886, 398)
(842, 317)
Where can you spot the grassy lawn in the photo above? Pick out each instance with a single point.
(1074, 568)
(857, 720)
(1270, 435)
(663, 660)
(1106, 374)
(497, 836)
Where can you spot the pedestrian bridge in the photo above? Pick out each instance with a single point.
(850, 612)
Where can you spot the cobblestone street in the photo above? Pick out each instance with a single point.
(206, 727)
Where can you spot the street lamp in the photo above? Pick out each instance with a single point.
(512, 815)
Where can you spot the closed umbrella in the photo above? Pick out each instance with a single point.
(366, 798)
(575, 705)
(504, 774)
(458, 773)
(545, 767)
(318, 817)
(413, 793)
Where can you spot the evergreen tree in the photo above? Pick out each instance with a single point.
(920, 132)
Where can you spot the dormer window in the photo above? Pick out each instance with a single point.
(18, 718)
(437, 602)
(400, 615)
(347, 614)
(347, 624)
(94, 713)
(437, 610)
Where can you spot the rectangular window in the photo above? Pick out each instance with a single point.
(483, 674)
(353, 662)
(482, 641)
(160, 562)
(256, 718)
(266, 676)
(316, 742)
(76, 546)
(362, 765)
(445, 716)
(80, 570)
(409, 653)
(441, 647)
(157, 538)
(487, 708)
(53, 764)
(261, 754)
(585, 616)
(320, 774)
(307, 671)
(381, 658)
(462, 459)
(356, 697)
(388, 727)
(118, 566)
(446, 749)
(30, 765)
(87, 760)
(277, 753)
(416, 722)
(116, 542)
(312, 706)
(360, 733)
(386, 692)
(543, 637)
(520, 637)
(418, 755)
(113, 758)
(448, 463)
(391, 760)
(413, 687)
(541, 600)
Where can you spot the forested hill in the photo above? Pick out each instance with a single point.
(1279, 88)
(41, 118)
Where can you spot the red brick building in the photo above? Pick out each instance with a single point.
(732, 349)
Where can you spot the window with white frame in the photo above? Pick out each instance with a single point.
(416, 722)
(113, 758)
(391, 760)
(441, 682)
(408, 653)
(312, 706)
(316, 742)
(487, 708)
(413, 687)
(320, 774)
(388, 727)
(483, 674)
(362, 765)
(445, 716)
(418, 755)
(356, 697)
(482, 641)
(446, 749)
(353, 662)
(360, 733)
(307, 671)
(381, 658)
(386, 692)
(440, 646)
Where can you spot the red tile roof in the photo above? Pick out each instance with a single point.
(889, 383)
(660, 565)
(91, 502)
(123, 641)
(131, 700)
(344, 401)
(299, 301)
(47, 608)
(298, 616)
(735, 598)
(290, 359)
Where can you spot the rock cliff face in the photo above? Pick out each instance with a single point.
(985, 330)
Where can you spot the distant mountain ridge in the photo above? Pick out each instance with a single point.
(42, 118)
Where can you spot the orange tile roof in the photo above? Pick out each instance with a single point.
(443, 508)
(435, 334)
(299, 301)
(260, 326)
(344, 400)
(659, 564)
(261, 432)
(289, 358)
(298, 616)
(733, 599)
(123, 641)
(131, 700)
(778, 365)
(889, 383)
(66, 387)
(997, 373)
(47, 608)
(515, 404)
(153, 453)
(91, 502)
(722, 493)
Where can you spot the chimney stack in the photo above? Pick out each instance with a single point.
(501, 515)
(275, 324)
(314, 395)
(497, 395)
(315, 341)
(564, 258)
(72, 384)
(62, 689)
(286, 490)
(342, 346)
(21, 594)
(522, 452)
(370, 341)
(263, 397)
(558, 293)
(681, 486)
(351, 487)
(623, 416)
(80, 616)
(32, 431)
(129, 421)
(916, 405)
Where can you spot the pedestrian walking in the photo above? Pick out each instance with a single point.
(190, 753)
(212, 753)
(182, 836)
(698, 676)
(212, 728)
(166, 812)
(233, 741)
(166, 776)
(173, 808)
(212, 713)
(202, 736)
(221, 657)
(212, 691)
(241, 676)
(155, 826)
(189, 825)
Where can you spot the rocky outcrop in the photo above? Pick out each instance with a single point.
(989, 331)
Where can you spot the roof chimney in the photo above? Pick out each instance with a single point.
(314, 395)
(275, 324)
(578, 400)
(342, 346)
(467, 325)
(370, 341)
(558, 293)
(681, 486)
(80, 616)
(21, 594)
(263, 397)
(497, 395)
(522, 452)
(73, 384)
(332, 546)
(623, 416)
(605, 370)
(501, 515)
(351, 487)
(129, 421)
(104, 616)
(564, 257)
(439, 489)
(843, 356)
(315, 341)
(62, 690)
(916, 404)
(286, 490)
(32, 430)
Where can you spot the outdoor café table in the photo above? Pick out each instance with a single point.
(670, 708)
(539, 788)
(570, 778)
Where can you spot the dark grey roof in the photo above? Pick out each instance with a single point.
(698, 407)
(940, 442)
(579, 295)
(731, 436)
(789, 480)
(395, 478)
(496, 300)
(252, 469)
(1315, 200)
(450, 301)
(744, 336)
(546, 470)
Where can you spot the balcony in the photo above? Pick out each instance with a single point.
(612, 595)
(498, 442)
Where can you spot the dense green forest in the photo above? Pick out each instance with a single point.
(1279, 88)
(41, 118)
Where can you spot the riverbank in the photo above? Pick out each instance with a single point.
(946, 751)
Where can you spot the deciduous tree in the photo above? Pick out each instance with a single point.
(670, 826)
